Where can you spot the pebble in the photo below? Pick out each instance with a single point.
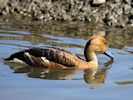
(97, 2)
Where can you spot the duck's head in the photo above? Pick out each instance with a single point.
(98, 45)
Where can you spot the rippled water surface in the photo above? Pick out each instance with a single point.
(113, 79)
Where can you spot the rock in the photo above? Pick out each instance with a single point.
(40, 17)
(126, 9)
(3, 3)
(110, 19)
(130, 23)
(116, 1)
(127, 1)
(97, 2)
(67, 17)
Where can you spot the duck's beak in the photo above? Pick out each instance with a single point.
(109, 54)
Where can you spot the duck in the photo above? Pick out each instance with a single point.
(53, 57)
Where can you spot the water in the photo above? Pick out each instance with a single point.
(113, 79)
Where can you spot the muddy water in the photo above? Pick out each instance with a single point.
(113, 79)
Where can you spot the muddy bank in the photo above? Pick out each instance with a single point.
(118, 13)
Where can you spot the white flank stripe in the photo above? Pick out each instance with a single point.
(28, 55)
(17, 61)
(44, 59)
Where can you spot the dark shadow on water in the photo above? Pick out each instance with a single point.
(90, 76)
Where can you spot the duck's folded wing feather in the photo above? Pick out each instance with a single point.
(57, 55)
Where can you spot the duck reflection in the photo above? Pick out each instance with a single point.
(90, 76)
(52, 74)
(97, 76)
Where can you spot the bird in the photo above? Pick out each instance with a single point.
(53, 57)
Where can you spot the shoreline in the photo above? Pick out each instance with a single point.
(115, 13)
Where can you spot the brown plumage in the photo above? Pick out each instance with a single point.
(53, 57)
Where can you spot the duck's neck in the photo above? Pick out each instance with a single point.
(89, 54)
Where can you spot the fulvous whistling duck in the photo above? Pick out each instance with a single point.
(53, 57)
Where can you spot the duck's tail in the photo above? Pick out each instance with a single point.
(8, 59)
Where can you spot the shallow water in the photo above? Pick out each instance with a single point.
(113, 79)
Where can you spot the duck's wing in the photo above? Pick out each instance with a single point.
(57, 55)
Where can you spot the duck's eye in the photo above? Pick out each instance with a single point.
(105, 43)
